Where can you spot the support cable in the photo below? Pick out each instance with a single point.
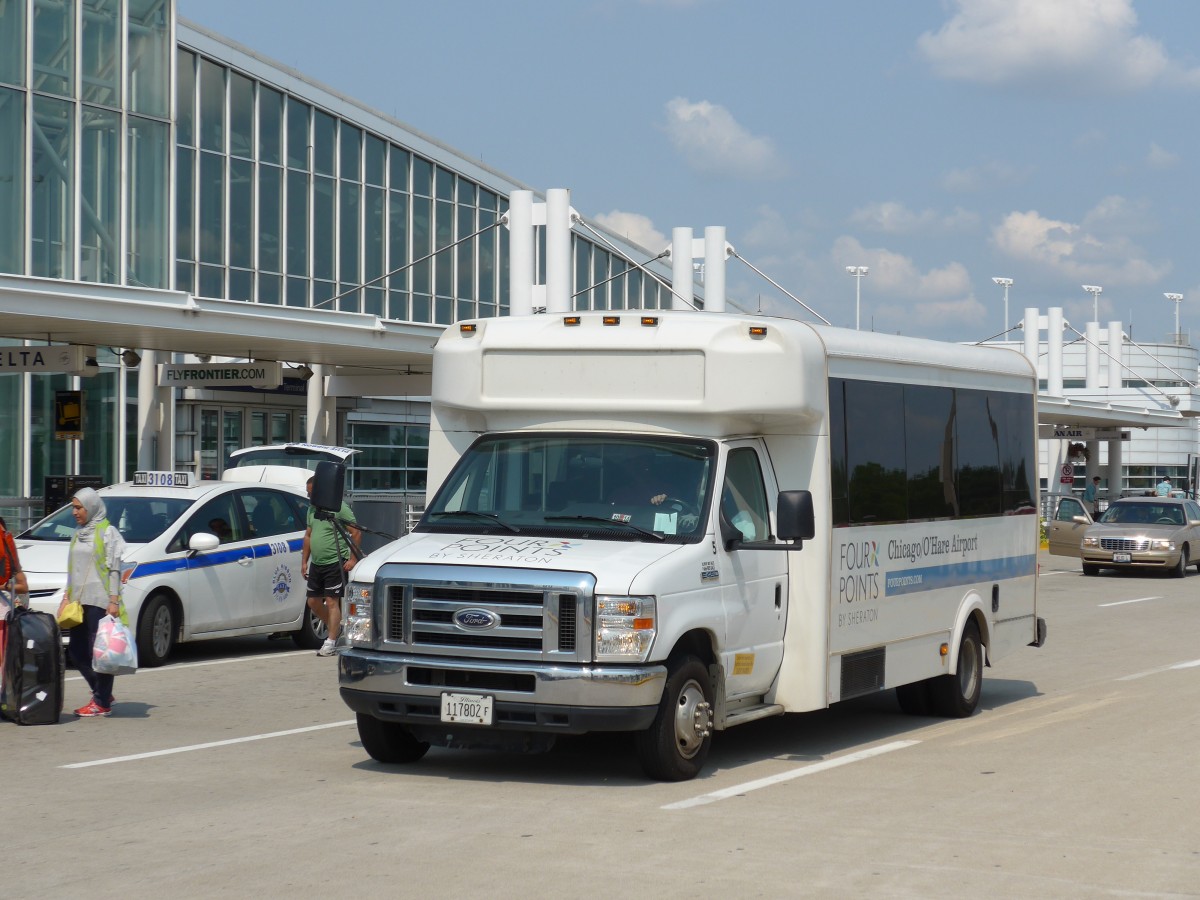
(779, 287)
(501, 221)
(661, 281)
(1171, 400)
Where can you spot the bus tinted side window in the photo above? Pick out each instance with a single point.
(902, 453)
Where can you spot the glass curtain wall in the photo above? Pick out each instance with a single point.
(283, 202)
(85, 138)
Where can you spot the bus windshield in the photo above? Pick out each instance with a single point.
(609, 487)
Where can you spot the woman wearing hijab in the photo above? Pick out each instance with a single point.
(94, 579)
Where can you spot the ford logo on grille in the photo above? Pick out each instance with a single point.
(476, 619)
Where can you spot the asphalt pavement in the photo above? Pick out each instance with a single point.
(235, 770)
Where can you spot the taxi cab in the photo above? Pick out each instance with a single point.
(206, 559)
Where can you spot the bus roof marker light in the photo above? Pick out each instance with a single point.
(758, 331)
(650, 321)
(611, 320)
(572, 320)
(467, 328)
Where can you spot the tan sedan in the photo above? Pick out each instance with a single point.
(1160, 533)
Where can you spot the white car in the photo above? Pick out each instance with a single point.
(282, 463)
(212, 559)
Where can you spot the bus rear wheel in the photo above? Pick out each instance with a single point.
(956, 695)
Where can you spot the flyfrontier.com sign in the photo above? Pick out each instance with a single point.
(215, 375)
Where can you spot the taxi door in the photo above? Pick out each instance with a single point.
(278, 532)
(221, 583)
(1063, 533)
(753, 582)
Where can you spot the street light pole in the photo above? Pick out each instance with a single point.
(1177, 299)
(1006, 283)
(1094, 290)
(858, 272)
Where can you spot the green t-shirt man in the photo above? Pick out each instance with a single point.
(323, 544)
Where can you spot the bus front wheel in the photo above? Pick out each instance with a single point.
(956, 695)
(676, 744)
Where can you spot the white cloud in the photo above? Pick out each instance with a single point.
(892, 217)
(1093, 252)
(894, 273)
(1158, 158)
(712, 142)
(634, 227)
(1072, 44)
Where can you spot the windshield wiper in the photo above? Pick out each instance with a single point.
(638, 528)
(494, 517)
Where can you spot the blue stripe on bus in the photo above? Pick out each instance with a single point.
(911, 581)
(208, 560)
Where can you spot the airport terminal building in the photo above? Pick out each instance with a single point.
(153, 159)
(165, 192)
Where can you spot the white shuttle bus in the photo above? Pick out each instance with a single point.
(671, 523)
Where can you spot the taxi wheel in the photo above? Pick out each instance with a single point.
(312, 631)
(157, 628)
(388, 742)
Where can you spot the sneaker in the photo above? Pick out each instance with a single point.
(327, 648)
(93, 709)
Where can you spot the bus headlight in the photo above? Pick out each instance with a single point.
(625, 627)
(358, 612)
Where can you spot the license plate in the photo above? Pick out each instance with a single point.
(1122, 557)
(474, 709)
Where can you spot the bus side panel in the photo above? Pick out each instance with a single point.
(904, 588)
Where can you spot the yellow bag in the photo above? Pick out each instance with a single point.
(71, 615)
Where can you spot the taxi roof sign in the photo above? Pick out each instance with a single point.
(162, 479)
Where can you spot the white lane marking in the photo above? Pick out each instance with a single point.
(1190, 664)
(813, 769)
(214, 662)
(1123, 602)
(206, 746)
(1057, 572)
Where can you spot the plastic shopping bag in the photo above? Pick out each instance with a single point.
(114, 652)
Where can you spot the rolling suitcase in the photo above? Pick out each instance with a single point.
(34, 669)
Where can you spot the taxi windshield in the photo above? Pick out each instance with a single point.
(609, 487)
(139, 519)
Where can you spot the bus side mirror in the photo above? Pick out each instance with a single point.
(794, 514)
(329, 484)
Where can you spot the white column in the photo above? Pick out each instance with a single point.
(714, 268)
(520, 253)
(1092, 356)
(148, 409)
(1116, 339)
(681, 269)
(1115, 465)
(315, 408)
(558, 250)
(165, 401)
(1032, 327)
(1054, 351)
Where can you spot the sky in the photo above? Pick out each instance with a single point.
(940, 143)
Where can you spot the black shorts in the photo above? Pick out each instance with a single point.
(327, 581)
